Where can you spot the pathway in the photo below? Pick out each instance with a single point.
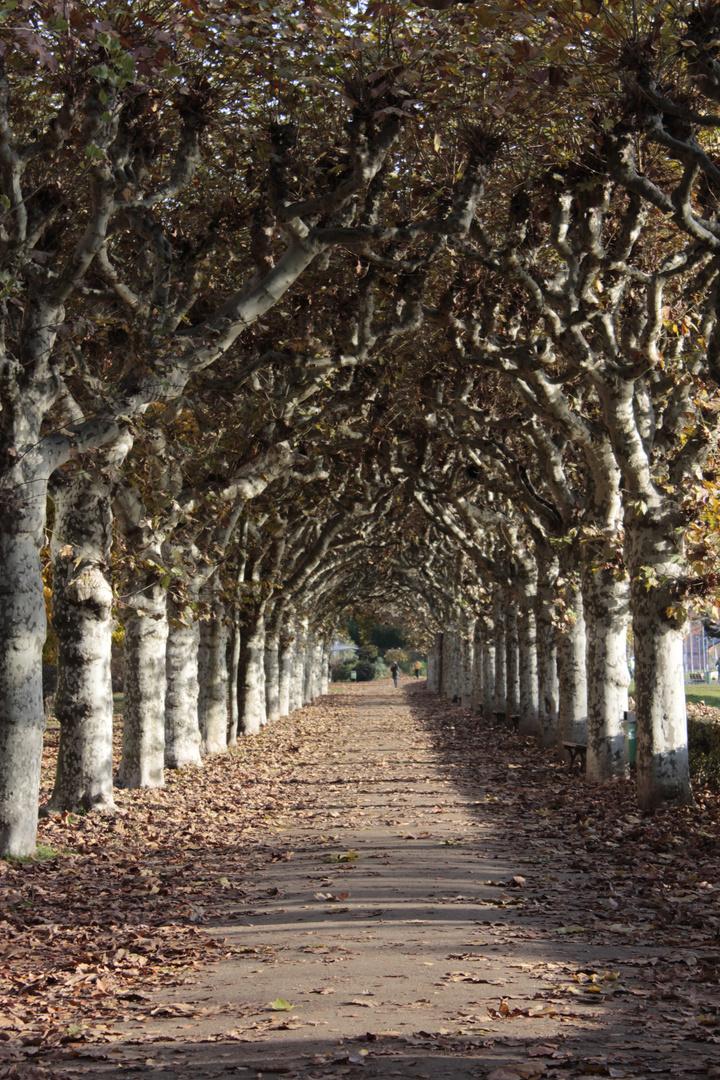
(421, 912)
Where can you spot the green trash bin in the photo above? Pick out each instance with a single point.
(630, 736)
(353, 674)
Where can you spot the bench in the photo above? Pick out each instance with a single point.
(499, 717)
(577, 750)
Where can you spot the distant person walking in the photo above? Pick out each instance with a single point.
(394, 670)
(417, 667)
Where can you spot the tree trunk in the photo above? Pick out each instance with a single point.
(233, 682)
(297, 681)
(325, 669)
(488, 667)
(182, 726)
(663, 772)
(213, 677)
(286, 663)
(272, 678)
(83, 625)
(500, 650)
(468, 650)
(572, 681)
(317, 663)
(478, 665)
(251, 674)
(546, 648)
(606, 603)
(22, 634)
(307, 693)
(143, 744)
(448, 671)
(512, 670)
(527, 662)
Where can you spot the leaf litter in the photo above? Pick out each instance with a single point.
(121, 905)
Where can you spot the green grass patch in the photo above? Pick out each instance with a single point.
(42, 852)
(707, 692)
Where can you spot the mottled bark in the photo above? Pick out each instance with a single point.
(317, 676)
(325, 669)
(478, 666)
(272, 678)
(527, 660)
(22, 634)
(500, 703)
(233, 683)
(546, 648)
(488, 667)
(83, 625)
(182, 725)
(606, 603)
(146, 630)
(572, 681)
(251, 674)
(297, 680)
(213, 677)
(468, 651)
(654, 550)
(434, 664)
(307, 690)
(447, 667)
(512, 670)
(286, 664)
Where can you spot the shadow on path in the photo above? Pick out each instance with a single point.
(438, 898)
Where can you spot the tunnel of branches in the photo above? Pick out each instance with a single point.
(311, 310)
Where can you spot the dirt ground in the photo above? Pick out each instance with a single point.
(415, 894)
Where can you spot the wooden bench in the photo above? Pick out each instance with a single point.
(577, 750)
(499, 717)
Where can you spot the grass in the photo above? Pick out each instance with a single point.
(707, 692)
(42, 852)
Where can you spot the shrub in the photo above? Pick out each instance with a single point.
(704, 748)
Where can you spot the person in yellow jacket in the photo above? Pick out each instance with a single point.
(417, 667)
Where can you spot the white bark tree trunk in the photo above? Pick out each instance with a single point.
(297, 682)
(572, 681)
(307, 667)
(182, 725)
(512, 670)
(213, 678)
(286, 663)
(22, 634)
(527, 660)
(478, 665)
(272, 678)
(606, 603)
(546, 648)
(251, 675)
(468, 649)
(233, 683)
(500, 703)
(325, 669)
(663, 771)
(434, 664)
(143, 744)
(317, 673)
(488, 667)
(83, 625)
(448, 673)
